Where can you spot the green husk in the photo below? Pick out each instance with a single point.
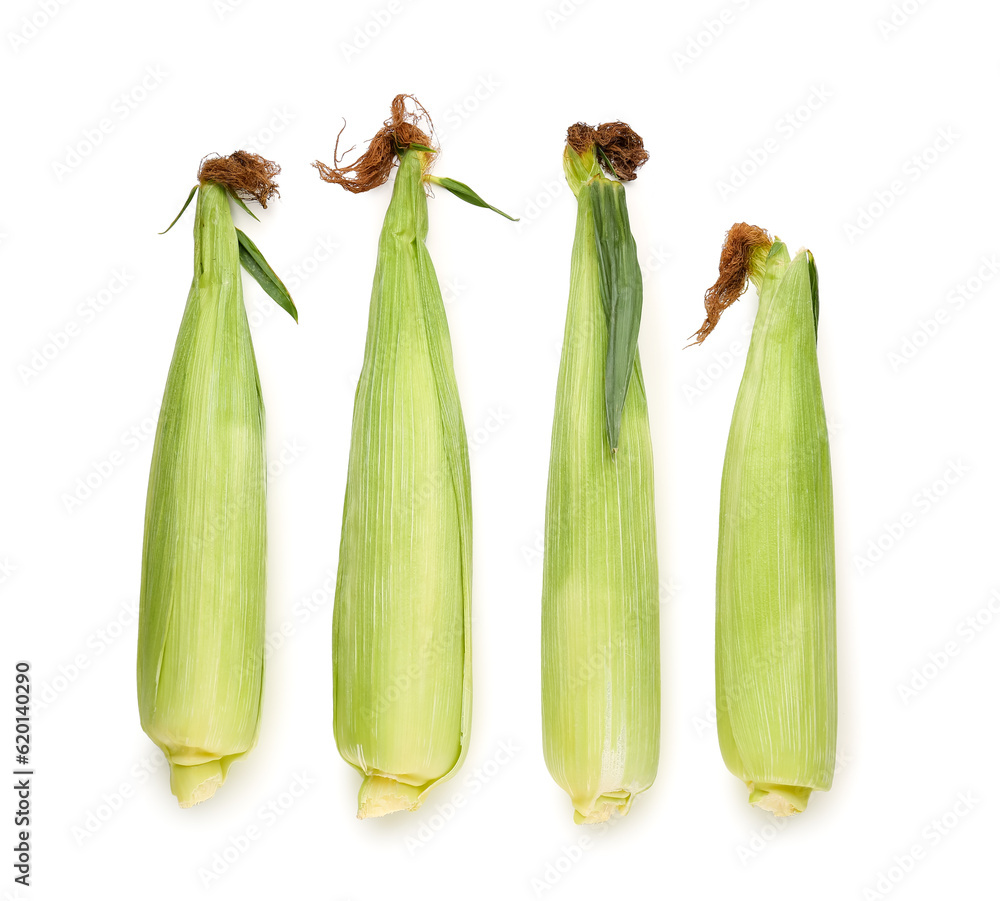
(600, 602)
(402, 666)
(201, 617)
(402, 661)
(776, 670)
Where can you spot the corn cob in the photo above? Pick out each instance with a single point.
(600, 593)
(402, 667)
(201, 616)
(776, 667)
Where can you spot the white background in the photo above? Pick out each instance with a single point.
(503, 83)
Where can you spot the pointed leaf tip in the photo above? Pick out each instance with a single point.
(814, 285)
(464, 192)
(187, 203)
(240, 203)
(254, 263)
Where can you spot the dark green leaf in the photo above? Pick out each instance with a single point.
(240, 202)
(181, 213)
(254, 263)
(466, 193)
(621, 295)
(814, 284)
(609, 167)
(422, 147)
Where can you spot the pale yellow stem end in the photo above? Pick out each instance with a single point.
(194, 784)
(380, 795)
(781, 800)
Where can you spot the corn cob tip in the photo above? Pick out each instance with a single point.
(193, 784)
(372, 168)
(620, 149)
(781, 800)
(742, 260)
(380, 795)
(245, 174)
